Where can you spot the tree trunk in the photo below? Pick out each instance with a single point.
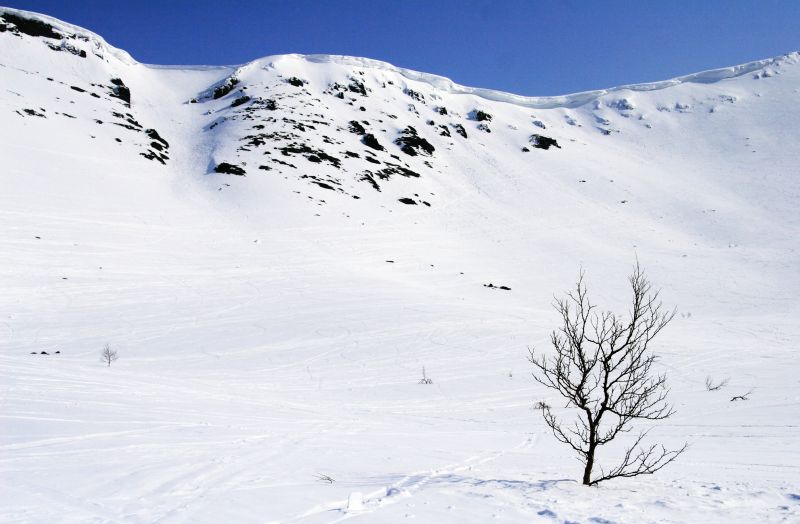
(587, 471)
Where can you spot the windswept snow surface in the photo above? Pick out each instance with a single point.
(272, 328)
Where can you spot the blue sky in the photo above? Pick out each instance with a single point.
(526, 47)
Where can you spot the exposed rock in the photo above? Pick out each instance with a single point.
(154, 155)
(225, 88)
(241, 100)
(460, 130)
(229, 169)
(33, 112)
(419, 97)
(543, 142)
(120, 90)
(30, 26)
(412, 144)
(312, 155)
(296, 82)
(622, 104)
(69, 48)
(367, 176)
(356, 127)
(152, 133)
(369, 140)
(492, 286)
(394, 169)
(408, 201)
(357, 87)
(481, 116)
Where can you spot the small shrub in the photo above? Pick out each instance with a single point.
(108, 355)
(425, 379)
(712, 386)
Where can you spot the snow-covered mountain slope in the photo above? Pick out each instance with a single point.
(277, 249)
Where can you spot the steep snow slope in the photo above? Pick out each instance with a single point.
(272, 327)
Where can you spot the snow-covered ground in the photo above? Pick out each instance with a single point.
(272, 331)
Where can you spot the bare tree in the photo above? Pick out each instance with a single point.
(603, 369)
(109, 355)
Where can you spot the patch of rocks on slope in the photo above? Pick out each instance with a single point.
(115, 93)
(293, 133)
(53, 38)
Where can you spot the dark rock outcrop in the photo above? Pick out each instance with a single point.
(369, 140)
(412, 144)
(481, 116)
(120, 90)
(543, 142)
(30, 26)
(229, 169)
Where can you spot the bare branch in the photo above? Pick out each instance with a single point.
(715, 386)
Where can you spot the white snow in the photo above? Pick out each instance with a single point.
(266, 342)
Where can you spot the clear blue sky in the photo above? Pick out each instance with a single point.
(526, 47)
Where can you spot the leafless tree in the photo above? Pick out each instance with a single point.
(603, 368)
(108, 355)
